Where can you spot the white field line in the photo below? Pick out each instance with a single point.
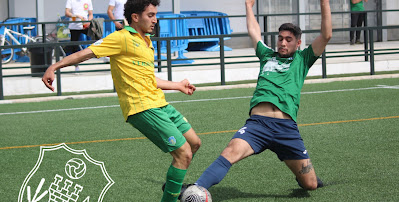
(201, 100)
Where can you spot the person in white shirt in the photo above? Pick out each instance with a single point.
(78, 10)
(116, 12)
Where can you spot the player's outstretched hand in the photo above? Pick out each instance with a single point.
(250, 3)
(48, 79)
(187, 87)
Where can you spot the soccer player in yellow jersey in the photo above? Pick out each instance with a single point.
(141, 99)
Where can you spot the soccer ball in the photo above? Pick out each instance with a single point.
(196, 193)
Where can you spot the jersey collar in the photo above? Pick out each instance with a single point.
(132, 30)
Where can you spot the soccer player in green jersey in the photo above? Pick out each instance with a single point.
(275, 102)
(140, 93)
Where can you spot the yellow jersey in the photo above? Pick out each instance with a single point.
(132, 69)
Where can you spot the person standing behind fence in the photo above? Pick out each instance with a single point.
(357, 19)
(115, 12)
(78, 10)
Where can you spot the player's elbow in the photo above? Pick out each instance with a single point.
(327, 37)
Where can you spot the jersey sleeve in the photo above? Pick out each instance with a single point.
(68, 4)
(262, 49)
(308, 56)
(90, 5)
(109, 46)
(111, 3)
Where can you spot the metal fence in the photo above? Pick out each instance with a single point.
(369, 52)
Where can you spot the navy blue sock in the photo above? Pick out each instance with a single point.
(214, 173)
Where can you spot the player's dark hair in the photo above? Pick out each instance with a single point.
(138, 7)
(295, 30)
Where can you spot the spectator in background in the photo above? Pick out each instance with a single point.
(78, 10)
(357, 19)
(115, 12)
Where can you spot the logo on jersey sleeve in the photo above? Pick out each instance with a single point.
(172, 140)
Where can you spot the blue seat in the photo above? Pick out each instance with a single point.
(207, 26)
(173, 28)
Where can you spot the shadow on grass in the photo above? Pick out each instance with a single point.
(220, 193)
(227, 193)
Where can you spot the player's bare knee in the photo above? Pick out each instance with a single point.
(232, 155)
(196, 146)
(187, 157)
(184, 158)
(183, 155)
(228, 152)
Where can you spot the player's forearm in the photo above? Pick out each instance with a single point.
(356, 1)
(166, 85)
(75, 58)
(252, 25)
(326, 24)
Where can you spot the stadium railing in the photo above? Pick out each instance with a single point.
(171, 25)
(368, 53)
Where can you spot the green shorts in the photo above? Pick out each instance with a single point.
(164, 126)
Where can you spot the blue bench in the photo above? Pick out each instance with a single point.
(173, 28)
(207, 26)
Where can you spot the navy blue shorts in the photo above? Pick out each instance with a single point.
(279, 135)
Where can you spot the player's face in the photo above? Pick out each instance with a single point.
(148, 19)
(287, 44)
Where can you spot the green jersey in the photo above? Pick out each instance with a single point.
(357, 6)
(280, 80)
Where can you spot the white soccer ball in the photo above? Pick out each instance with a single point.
(196, 193)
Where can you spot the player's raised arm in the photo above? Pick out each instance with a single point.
(252, 24)
(75, 58)
(321, 41)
